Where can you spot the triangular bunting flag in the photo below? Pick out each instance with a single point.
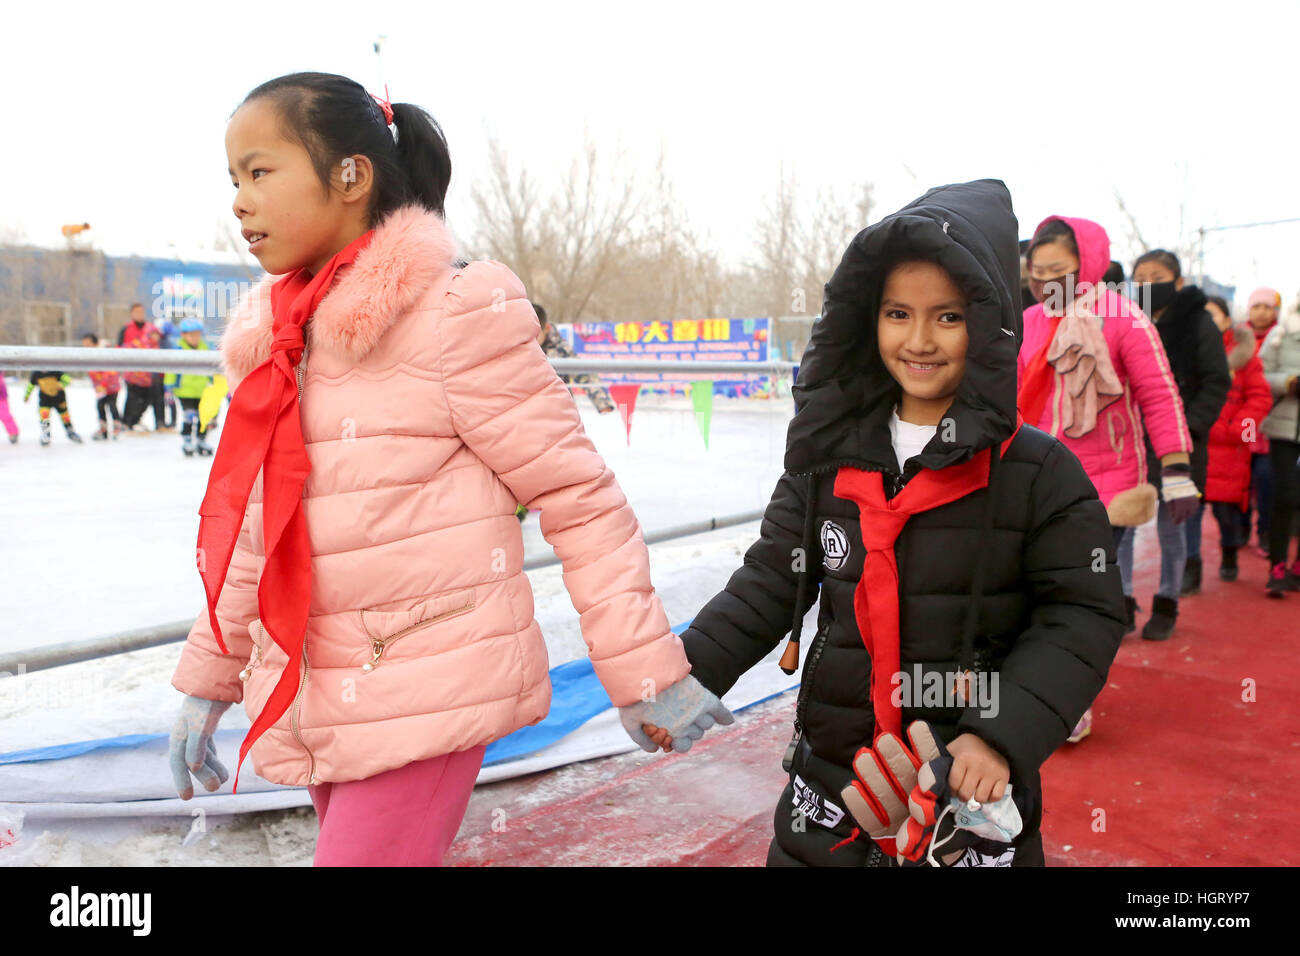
(625, 398)
(702, 399)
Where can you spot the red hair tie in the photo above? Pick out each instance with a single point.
(386, 105)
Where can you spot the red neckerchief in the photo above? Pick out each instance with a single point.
(263, 432)
(1039, 377)
(875, 599)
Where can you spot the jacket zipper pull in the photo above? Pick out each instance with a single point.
(377, 651)
(787, 761)
(247, 672)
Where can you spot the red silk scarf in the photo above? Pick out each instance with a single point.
(263, 432)
(1039, 377)
(875, 599)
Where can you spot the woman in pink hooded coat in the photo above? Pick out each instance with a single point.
(426, 411)
(1093, 373)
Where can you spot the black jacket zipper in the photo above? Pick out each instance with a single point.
(805, 685)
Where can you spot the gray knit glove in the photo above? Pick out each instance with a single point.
(686, 710)
(192, 749)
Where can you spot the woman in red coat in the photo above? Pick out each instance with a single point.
(1227, 485)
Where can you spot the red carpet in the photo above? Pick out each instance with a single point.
(1179, 770)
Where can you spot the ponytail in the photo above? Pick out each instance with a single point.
(332, 117)
(424, 157)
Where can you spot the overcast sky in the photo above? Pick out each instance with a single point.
(115, 113)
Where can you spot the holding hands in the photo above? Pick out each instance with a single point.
(674, 718)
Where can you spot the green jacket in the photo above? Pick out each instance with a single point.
(191, 386)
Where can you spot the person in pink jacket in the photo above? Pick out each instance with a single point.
(6, 416)
(426, 410)
(1093, 373)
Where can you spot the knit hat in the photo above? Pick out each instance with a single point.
(1265, 296)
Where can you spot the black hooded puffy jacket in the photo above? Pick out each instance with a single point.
(1017, 580)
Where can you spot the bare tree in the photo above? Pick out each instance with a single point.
(1183, 243)
(606, 242)
(566, 244)
(797, 247)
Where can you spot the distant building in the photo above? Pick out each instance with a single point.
(53, 296)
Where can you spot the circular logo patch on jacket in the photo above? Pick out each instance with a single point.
(835, 546)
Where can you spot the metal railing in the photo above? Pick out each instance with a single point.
(72, 652)
(30, 357)
(26, 357)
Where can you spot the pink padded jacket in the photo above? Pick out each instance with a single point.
(1113, 453)
(428, 410)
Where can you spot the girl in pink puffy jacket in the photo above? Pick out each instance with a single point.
(358, 545)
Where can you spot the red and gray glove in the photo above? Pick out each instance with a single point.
(886, 776)
(901, 799)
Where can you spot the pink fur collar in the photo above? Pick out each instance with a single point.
(410, 249)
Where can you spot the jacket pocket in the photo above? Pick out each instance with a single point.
(384, 628)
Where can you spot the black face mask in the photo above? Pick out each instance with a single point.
(1055, 293)
(1151, 297)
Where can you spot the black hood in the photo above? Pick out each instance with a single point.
(1185, 308)
(844, 394)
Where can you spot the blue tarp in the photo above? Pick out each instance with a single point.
(576, 697)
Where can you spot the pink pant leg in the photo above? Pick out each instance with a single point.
(402, 817)
(7, 418)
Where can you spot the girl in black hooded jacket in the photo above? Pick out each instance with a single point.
(1003, 560)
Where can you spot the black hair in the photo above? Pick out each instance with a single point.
(92, 336)
(1222, 303)
(1162, 256)
(333, 117)
(1114, 273)
(541, 313)
(1054, 231)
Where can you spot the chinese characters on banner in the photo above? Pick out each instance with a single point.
(680, 340)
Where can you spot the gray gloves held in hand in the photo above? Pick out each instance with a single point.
(686, 710)
(192, 749)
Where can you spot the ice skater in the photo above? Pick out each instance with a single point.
(107, 386)
(53, 396)
(188, 389)
(6, 416)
